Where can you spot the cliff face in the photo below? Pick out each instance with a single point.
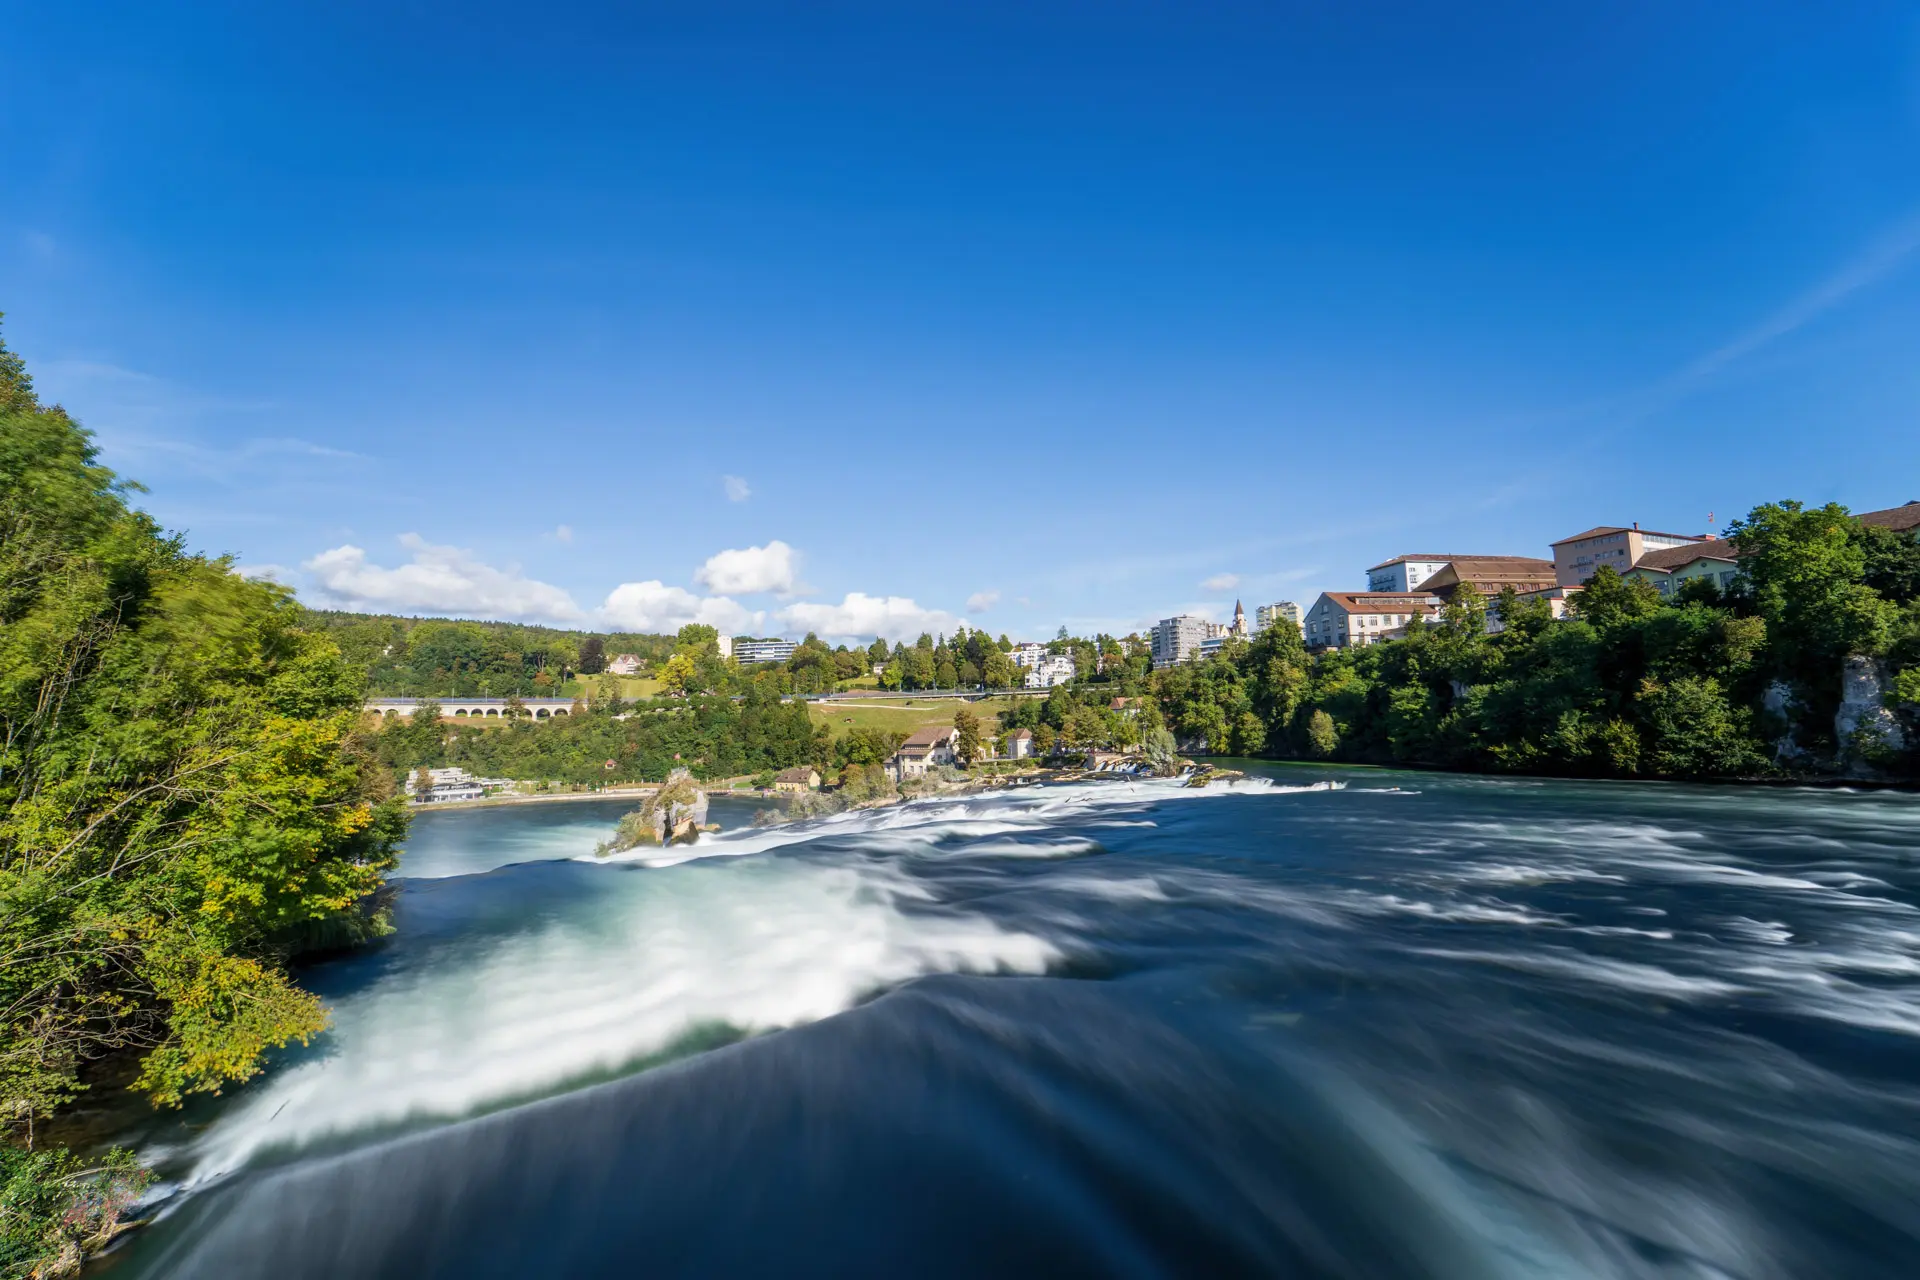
(1865, 728)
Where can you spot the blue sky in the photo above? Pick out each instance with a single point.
(873, 317)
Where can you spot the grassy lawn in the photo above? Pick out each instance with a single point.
(895, 716)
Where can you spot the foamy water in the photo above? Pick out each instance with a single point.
(1470, 1028)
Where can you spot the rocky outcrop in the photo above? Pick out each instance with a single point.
(675, 814)
(1866, 730)
(1782, 708)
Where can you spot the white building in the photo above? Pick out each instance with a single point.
(1340, 619)
(924, 749)
(623, 664)
(1020, 744)
(1405, 573)
(1281, 610)
(751, 651)
(726, 646)
(1052, 669)
(1177, 639)
(1028, 654)
(447, 784)
(1211, 647)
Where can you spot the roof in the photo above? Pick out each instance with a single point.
(931, 736)
(1021, 733)
(1598, 530)
(799, 773)
(1380, 601)
(1667, 559)
(1898, 519)
(1397, 559)
(1487, 575)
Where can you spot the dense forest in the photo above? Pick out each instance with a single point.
(187, 800)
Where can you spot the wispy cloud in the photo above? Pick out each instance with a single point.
(981, 601)
(1221, 582)
(1887, 255)
(737, 489)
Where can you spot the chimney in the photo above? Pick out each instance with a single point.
(1636, 524)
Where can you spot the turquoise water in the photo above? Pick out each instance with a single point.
(1317, 1023)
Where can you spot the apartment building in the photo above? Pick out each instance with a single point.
(751, 651)
(1342, 619)
(1177, 639)
(1052, 669)
(1279, 611)
(1028, 654)
(1578, 558)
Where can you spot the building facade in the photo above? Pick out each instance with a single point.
(623, 664)
(1280, 610)
(1490, 575)
(796, 780)
(1027, 654)
(751, 651)
(1177, 639)
(1620, 548)
(924, 749)
(1343, 619)
(1052, 669)
(1405, 573)
(1668, 567)
(447, 784)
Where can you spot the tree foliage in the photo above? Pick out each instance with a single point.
(185, 796)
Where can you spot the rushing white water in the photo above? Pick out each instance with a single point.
(750, 947)
(658, 952)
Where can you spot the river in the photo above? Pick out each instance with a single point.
(1319, 1023)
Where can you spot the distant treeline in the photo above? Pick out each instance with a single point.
(612, 741)
(442, 657)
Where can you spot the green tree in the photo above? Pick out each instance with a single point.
(1323, 739)
(967, 746)
(593, 656)
(186, 797)
(1607, 598)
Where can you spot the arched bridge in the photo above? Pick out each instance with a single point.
(537, 708)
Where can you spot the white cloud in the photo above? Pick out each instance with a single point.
(737, 489)
(655, 606)
(438, 580)
(861, 616)
(563, 533)
(981, 601)
(1221, 582)
(754, 569)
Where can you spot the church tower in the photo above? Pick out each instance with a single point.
(1239, 627)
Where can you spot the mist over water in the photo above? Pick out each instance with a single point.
(1315, 1024)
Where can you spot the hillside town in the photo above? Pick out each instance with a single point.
(1411, 589)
